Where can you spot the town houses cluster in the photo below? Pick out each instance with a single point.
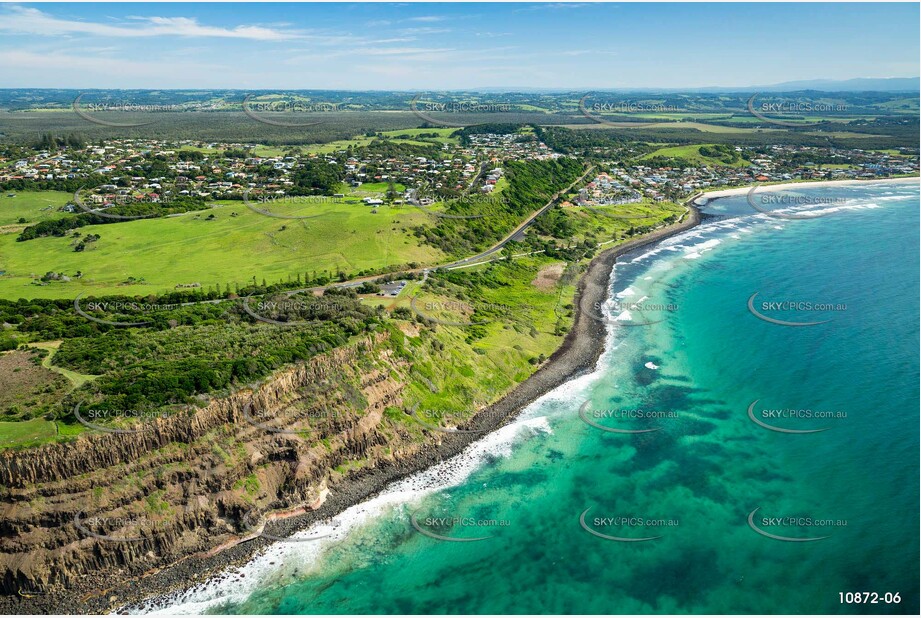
(626, 184)
(121, 170)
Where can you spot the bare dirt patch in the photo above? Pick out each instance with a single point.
(410, 330)
(548, 277)
(28, 388)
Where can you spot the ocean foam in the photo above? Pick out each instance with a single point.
(260, 573)
(263, 571)
(696, 251)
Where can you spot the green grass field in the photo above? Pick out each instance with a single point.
(892, 153)
(22, 433)
(603, 223)
(691, 153)
(700, 126)
(19, 434)
(337, 145)
(371, 188)
(843, 134)
(838, 166)
(270, 151)
(443, 135)
(161, 253)
(532, 325)
(33, 206)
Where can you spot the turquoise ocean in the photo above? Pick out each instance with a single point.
(696, 431)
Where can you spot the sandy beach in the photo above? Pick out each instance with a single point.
(712, 195)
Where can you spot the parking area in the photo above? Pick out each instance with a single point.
(392, 289)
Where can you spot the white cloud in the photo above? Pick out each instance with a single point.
(402, 51)
(24, 20)
(585, 52)
(424, 30)
(21, 68)
(405, 39)
(554, 6)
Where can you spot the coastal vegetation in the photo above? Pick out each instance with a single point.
(531, 185)
(301, 318)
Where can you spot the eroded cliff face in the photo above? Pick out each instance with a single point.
(113, 505)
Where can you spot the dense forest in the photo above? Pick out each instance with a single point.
(191, 350)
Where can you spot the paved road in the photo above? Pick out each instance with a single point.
(517, 232)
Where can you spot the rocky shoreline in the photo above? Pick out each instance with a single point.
(576, 356)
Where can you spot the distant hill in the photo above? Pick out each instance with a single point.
(859, 84)
(875, 84)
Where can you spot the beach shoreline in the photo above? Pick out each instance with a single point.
(709, 196)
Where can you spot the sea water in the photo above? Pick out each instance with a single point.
(771, 467)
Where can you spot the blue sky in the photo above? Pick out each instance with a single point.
(410, 46)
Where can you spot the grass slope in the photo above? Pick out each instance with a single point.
(33, 206)
(690, 153)
(192, 249)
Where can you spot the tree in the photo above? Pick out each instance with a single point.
(391, 191)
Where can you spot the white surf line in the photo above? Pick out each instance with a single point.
(281, 560)
(259, 572)
(709, 196)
